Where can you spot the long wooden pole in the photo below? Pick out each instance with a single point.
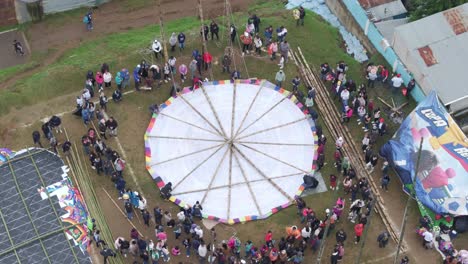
(408, 202)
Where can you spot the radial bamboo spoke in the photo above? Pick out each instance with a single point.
(229, 183)
(239, 183)
(214, 175)
(202, 116)
(186, 155)
(186, 138)
(233, 115)
(273, 128)
(275, 143)
(198, 166)
(190, 124)
(285, 194)
(247, 182)
(264, 114)
(274, 158)
(250, 108)
(213, 110)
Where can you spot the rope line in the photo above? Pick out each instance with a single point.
(188, 123)
(275, 127)
(274, 143)
(185, 138)
(274, 158)
(240, 48)
(205, 47)
(185, 155)
(240, 183)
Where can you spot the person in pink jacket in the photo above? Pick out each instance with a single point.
(183, 70)
(99, 80)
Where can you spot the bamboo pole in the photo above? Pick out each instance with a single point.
(408, 202)
(9, 238)
(331, 118)
(214, 175)
(18, 189)
(59, 219)
(120, 210)
(198, 166)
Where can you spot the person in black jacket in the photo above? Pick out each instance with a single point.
(204, 31)
(301, 16)
(37, 138)
(233, 33)
(214, 29)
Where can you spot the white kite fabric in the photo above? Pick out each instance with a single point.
(240, 149)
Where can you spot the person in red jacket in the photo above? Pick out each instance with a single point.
(246, 40)
(207, 59)
(269, 239)
(358, 229)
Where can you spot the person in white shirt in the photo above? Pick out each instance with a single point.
(306, 232)
(344, 97)
(397, 81)
(157, 48)
(107, 79)
(428, 237)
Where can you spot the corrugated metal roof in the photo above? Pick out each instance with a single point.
(387, 27)
(388, 10)
(448, 49)
(457, 20)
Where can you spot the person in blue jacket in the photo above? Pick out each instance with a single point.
(136, 77)
(181, 40)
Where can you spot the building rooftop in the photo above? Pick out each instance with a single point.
(434, 50)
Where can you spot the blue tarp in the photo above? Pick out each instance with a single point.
(354, 46)
(442, 179)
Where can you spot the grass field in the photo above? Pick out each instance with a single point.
(319, 41)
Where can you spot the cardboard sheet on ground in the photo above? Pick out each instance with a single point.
(442, 179)
(241, 161)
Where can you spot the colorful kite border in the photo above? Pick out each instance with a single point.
(266, 84)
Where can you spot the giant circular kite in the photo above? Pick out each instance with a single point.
(239, 148)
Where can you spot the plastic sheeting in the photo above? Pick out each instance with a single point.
(354, 46)
(238, 170)
(442, 179)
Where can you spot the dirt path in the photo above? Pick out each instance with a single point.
(111, 18)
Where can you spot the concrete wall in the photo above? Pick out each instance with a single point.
(7, 13)
(348, 21)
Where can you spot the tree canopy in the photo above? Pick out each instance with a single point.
(422, 8)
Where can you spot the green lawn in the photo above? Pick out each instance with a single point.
(319, 42)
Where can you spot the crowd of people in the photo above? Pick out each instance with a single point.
(189, 237)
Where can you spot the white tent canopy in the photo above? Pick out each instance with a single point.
(239, 149)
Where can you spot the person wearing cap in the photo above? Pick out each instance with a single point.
(382, 126)
(246, 40)
(157, 48)
(397, 81)
(280, 78)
